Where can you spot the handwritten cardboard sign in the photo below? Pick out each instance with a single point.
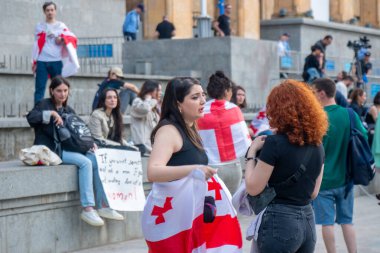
(121, 174)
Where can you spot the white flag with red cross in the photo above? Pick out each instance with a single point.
(223, 131)
(260, 123)
(172, 220)
(69, 55)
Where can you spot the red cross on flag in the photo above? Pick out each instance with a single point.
(69, 50)
(172, 220)
(260, 123)
(223, 131)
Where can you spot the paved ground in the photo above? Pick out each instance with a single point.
(367, 224)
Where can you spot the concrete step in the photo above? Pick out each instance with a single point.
(366, 219)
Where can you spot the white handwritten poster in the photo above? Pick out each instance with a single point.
(121, 174)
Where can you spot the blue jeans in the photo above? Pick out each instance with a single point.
(126, 98)
(287, 228)
(313, 74)
(88, 178)
(129, 36)
(331, 206)
(44, 69)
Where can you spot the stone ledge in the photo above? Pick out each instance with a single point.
(312, 22)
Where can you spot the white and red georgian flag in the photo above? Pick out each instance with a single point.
(172, 220)
(260, 123)
(69, 51)
(223, 131)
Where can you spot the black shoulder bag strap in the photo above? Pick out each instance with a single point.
(299, 172)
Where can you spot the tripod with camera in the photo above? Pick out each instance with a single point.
(356, 69)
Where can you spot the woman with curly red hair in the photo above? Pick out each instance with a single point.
(290, 161)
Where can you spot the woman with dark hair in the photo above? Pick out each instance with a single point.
(371, 118)
(238, 97)
(294, 152)
(177, 151)
(224, 132)
(45, 118)
(358, 99)
(145, 116)
(106, 122)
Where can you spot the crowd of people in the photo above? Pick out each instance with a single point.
(297, 144)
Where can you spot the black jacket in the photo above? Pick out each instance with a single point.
(45, 133)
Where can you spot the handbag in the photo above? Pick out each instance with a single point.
(262, 200)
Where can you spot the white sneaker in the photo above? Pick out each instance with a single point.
(110, 214)
(92, 218)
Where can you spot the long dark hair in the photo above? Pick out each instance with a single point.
(148, 87)
(234, 97)
(218, 84)
(175, 92)
(358, 92)
(55, 82)
(116, 114)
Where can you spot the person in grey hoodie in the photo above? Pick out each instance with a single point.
(145, 115)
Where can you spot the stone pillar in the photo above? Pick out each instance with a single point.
(267, 9)
(181, 14)
(370, 12)
(342, 10)
(154, 11)
(249, 19)
(294, 7)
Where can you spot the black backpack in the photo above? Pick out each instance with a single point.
(80, 139)
(360, 161)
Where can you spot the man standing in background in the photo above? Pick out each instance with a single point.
(165, 29)
(131, 22)
(52, 40)
(222, 26)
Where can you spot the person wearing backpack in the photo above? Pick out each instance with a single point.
(128, 92)
(335, 200)
(46, 119)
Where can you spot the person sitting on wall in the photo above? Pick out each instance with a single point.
(106, 122)
(312, 68)
(145, 115)
(46, 120)
(128, 91)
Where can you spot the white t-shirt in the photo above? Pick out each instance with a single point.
(51, 51)
(342, 88)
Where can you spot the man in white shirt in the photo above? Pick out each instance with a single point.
(283, 47)
(343, 85)
(48, 59)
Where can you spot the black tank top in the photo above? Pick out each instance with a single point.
(189, 154)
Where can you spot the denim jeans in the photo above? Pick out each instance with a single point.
(126, 98)
(44, 69)
(88, 178)
(129, 36)
(332, 206)
(313, 74)
(287, 228)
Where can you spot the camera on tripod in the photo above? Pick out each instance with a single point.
(356, 45)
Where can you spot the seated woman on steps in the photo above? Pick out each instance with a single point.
(45, 118)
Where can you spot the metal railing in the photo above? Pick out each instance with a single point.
(95, 55)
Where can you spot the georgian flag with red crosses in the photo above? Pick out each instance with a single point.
(223, 131)
(172, 220)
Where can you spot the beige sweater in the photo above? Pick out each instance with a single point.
(99, 127)
(143, 120)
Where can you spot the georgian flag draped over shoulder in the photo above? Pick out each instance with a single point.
(223, 131)
(69, 51)
(260, 123)
(172, 220)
